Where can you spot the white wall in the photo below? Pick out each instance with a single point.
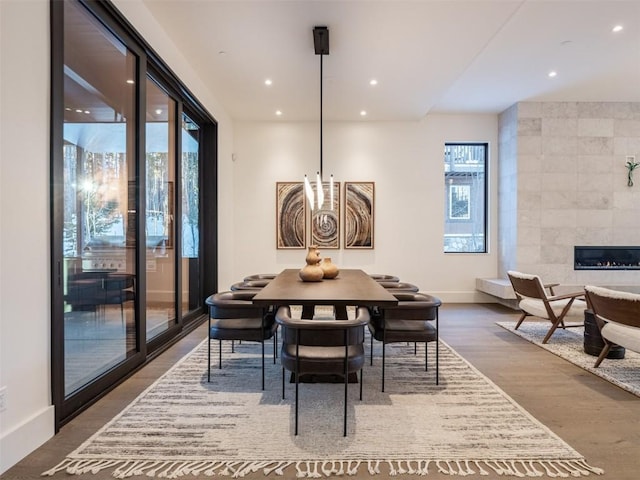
(25, 324)
(404, 159)
(24, 229)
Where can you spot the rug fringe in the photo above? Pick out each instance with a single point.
(326, 468)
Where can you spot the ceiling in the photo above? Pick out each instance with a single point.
(427, 55)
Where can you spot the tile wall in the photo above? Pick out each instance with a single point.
(563, 182)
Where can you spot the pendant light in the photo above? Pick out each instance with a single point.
(321, 45)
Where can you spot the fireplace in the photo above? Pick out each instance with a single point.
(606, 258)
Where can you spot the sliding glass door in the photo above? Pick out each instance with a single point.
(160, 242)
(192, 293)
(131, 150)
(99, 203)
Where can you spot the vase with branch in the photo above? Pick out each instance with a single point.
(631, 166)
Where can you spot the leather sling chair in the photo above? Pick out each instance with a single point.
(534, 301)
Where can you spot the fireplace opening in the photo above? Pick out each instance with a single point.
(606, 258)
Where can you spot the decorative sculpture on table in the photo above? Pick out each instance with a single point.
(329, 269)
(312, 272)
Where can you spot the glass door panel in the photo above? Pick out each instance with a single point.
(191, 297)
(160, 230)
(99, 206)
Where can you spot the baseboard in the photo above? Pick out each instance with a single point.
(472, 296)
(26, 437)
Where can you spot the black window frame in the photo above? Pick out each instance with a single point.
(485, 192)
(150, 63)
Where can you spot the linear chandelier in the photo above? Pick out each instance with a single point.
(321, 45)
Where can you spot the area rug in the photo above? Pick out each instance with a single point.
(568, 344)
(464, 426)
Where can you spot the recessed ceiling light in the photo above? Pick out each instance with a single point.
(363, 113)
(268, 82)
(617, 28)
(552, 73)
(67, 109)
(278, 112)
(78, 110)
(87, 112)
(158, 111)
(130, 82)
(373, 82)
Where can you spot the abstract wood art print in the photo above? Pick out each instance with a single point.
(359, 214)
(325, 222)
(290, 215)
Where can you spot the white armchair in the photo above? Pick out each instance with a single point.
(618, 317)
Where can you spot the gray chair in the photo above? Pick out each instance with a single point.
(414, 319)
(232, 316)
(322, 347)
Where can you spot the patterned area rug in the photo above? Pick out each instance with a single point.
(464, 426)
(568, 344)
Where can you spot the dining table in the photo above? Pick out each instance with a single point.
(352, 287)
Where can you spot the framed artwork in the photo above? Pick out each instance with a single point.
(325, 222)
(291, 216)
(358, 214)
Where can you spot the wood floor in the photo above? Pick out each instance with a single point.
(599, 420)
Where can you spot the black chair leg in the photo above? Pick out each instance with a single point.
(361, 373)
(209, 360)
(220, 354)
(283, 374)
(262, 343)
(296, 424)
(426, 365)
(275, 346)
(371, 354)
(383, 357)
(346, 388)
(437, 362)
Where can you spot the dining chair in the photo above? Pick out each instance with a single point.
(322, 347)
(260, 276)
(400, 286)
(618, 318)
(250, 285)
(232, 316)
(534, 301)
(413, 319)
(383, 277)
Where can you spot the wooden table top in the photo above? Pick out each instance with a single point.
(350, 287)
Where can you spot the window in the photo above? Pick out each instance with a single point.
(465, 224)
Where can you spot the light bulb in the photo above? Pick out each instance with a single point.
(320, 191)
(331, 195)
(309, 191)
